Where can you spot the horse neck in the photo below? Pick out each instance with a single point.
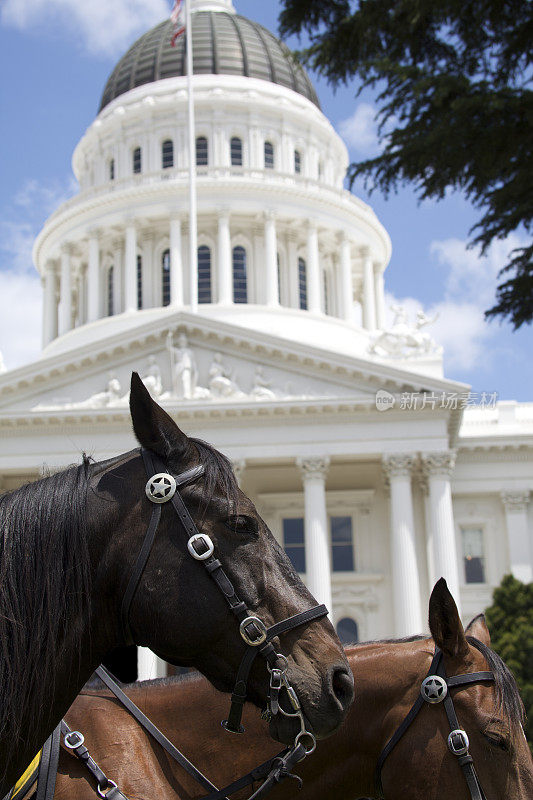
(82, 646)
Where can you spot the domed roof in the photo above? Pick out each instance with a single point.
(223, 44)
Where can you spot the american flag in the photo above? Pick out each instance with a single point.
(177, 17)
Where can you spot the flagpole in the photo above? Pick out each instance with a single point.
(193, 206)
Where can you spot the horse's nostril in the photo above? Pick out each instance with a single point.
(342, 686)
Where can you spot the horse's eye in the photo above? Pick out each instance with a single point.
(497, 740)
(242, 524)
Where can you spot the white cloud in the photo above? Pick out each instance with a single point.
(360, 130)
(20, 317)
(105, 27)
(20, 285)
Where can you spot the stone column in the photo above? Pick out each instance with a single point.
(130, 268)
(369, 300)
(176, 265)
(239, 465)
(271, 261)
(93, 279)
(149, 666)
(225, 272)
(49, 303)
(317, 549)
(118, 303)
(65, 305)
(313, 270)
(405, 577)
(438, 468)
(379, 292)
(520, 551)
(292, 266)
(346, 294)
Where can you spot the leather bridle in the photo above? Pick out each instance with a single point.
(162, 487)
(435, 690)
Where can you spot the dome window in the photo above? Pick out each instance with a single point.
(167, 154)
(137, 161)
(236, 152)
(269, 155)
(110, 290)
(240, 291)
(204, 274)
(302, 283)
(165, 278)
(139, 282)
(112, 169)
(297, 162)
(348, 630)
(202, 152)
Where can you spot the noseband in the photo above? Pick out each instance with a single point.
(161, 488)
(434, 690)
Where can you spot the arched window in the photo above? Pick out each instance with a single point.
(139, 282)
(348, 630)
(202, 152)
(167, 154)
(320, 170)
(110, 282)
(137, 161)
(236, 152)
(165, 278)
(279, 277)
(240, 293)
(302, 283)
(269, 155)
(112, 169)
(204, 274)
(297, 162)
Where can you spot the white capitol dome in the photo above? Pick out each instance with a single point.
(273, 216)
(357, 451)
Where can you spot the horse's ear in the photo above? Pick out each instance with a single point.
(154, 428)
(444, 622)
(478, 629)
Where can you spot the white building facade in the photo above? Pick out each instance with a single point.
(356, 449)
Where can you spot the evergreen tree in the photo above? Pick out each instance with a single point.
(510, 622)
(455, 107)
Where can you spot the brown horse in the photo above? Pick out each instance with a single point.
(70, 546)
(388, 677)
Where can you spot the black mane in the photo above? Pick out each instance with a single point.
(218, 473)
(508, 700)
(44, 589)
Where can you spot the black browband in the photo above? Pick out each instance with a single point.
(161, 488)
(438, 692)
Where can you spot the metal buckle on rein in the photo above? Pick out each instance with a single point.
(258, 636)
(200, 539)
(78, 740)
(104, 791)
(458, 742)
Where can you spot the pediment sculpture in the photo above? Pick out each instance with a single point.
(405, 340)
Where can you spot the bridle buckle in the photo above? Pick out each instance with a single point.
(458, 742)
(253, 631)
(203, 541)
(73, 740)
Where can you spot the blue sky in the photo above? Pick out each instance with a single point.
(55, 57)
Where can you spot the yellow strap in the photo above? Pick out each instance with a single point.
(26, 777)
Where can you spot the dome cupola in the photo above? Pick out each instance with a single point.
(224, 43)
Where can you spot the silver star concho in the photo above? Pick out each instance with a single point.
(434, 689)
(160, 487)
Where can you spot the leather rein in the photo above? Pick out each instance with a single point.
(162, 487)
(435, 690)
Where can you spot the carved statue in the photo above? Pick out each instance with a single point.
(403, 340)
(261, 388)
(152, 378)
(221, 383)
(183, 367)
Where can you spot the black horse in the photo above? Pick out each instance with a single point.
(69, 545)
